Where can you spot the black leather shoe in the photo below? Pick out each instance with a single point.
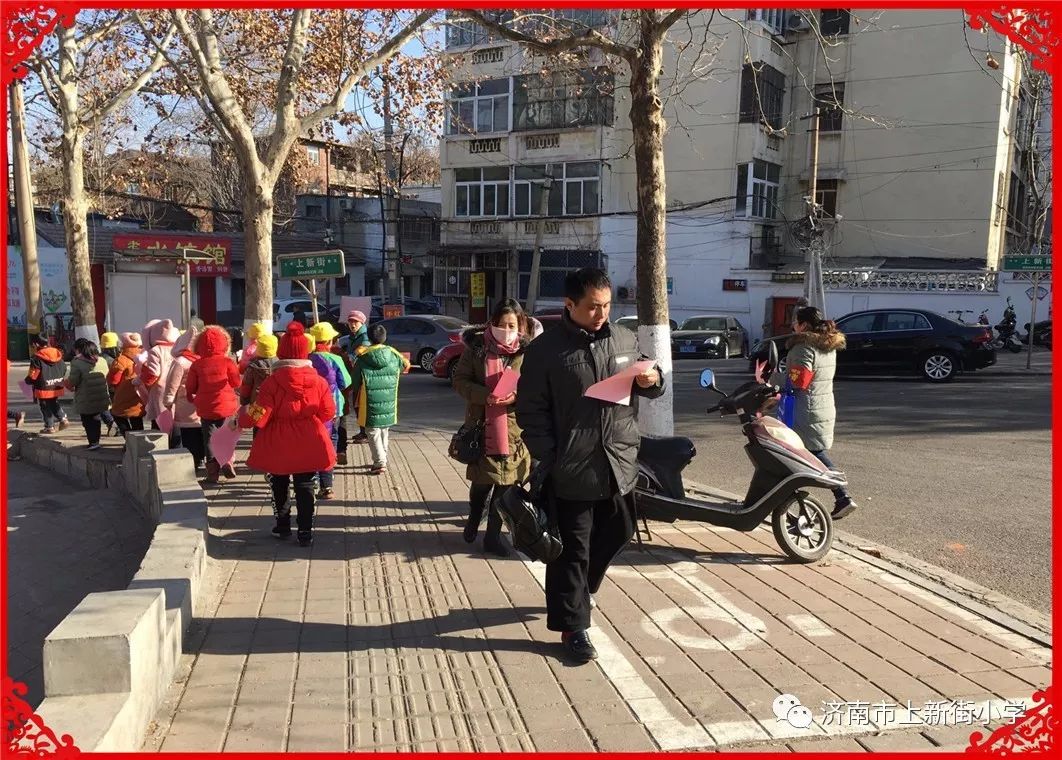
(305, 538)
(281, 531)
(496, 547)
(578, 646)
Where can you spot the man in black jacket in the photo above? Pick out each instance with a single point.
(587, 449)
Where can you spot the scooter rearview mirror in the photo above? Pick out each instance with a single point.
(772, 357)
(707, 378)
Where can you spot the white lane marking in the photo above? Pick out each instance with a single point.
(662, 625)
(810, 626)
(1036, 654)
(666, 730)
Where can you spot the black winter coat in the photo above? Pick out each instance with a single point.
(590, 446)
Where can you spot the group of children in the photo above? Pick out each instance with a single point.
(294, 392)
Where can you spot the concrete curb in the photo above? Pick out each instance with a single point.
(962, 592)
(997, 608)
(108, 663)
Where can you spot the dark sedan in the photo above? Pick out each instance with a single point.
(888, 341)
(709, 337)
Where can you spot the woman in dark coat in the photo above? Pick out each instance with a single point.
(489, 350)
(811, 363)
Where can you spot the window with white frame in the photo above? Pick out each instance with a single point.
(313, 155)
(773, 18)
(478, 108)
(575, 190)
(757, 190)
(483, 191)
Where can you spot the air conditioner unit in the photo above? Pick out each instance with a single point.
(626, 293)
(797, 23)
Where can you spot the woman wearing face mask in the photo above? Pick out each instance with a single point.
(506, 461)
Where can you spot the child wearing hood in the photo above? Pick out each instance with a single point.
(160, 335)
(250, 350)
(334, 371)
(175, 396)
(376, 375)
(88, 381)
(290, 412)
(211, 384)
(258, 368)
(47, 371)
(126, 406)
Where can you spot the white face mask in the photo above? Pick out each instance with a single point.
(504, 336)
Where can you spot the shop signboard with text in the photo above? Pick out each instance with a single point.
(152, 246)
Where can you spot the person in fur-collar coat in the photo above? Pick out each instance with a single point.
(810, 367)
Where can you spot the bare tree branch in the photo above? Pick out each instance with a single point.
(589, 38)
(123, 96)
(386, 51)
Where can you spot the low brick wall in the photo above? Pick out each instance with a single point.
(109, 662)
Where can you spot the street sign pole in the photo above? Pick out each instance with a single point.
(1032, 317)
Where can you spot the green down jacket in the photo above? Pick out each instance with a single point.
(88, 380)
(376, 373)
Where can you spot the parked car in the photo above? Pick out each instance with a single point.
(891, 341)
(284, 310)
(446, 359)
(709, 336)
(422, 336)
(631, 323)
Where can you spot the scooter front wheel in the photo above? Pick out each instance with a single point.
(803, 528)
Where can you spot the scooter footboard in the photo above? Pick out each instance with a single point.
(652, 508)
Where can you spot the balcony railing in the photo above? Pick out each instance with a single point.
(912, 281)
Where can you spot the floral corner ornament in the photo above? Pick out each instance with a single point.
(1032, 732)
(1033, 29)
(25, 732)
(25, 27)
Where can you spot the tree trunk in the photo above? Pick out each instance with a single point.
(258, 245)
(647, 121)
(75, 205)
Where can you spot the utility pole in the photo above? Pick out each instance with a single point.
(536, 254)
(390, 259)
(31, 277)
(814, 290)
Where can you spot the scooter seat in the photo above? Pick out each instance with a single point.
(672, 451)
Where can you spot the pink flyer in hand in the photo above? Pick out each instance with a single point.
(507, 383)
(165, 421)
(617, 389)
(27, 390)
(223, 443)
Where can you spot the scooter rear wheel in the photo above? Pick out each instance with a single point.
(803, 528)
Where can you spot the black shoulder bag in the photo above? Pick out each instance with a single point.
(467, 444)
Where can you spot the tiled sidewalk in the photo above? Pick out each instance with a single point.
(390, 634)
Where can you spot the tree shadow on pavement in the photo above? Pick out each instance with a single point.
(271, 635)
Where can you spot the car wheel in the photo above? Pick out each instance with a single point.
(426, 359)
(451, 371)
(938, 366)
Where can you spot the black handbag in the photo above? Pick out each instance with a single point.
(467, 444)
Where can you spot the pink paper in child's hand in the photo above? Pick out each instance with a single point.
(506, 383)
(165, 421)
(617, 389)
(27, 391)
(223, 443)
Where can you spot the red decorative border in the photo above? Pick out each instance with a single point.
(1032, 732)
(27, 24)
(25, 27)
(1032, 29)
(25, 732)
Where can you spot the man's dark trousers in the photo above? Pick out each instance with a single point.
(593, 533)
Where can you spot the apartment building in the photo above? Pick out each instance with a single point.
(510, 132)
(916, 176)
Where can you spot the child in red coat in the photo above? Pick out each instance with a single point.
(290, 412)
(211, 385)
